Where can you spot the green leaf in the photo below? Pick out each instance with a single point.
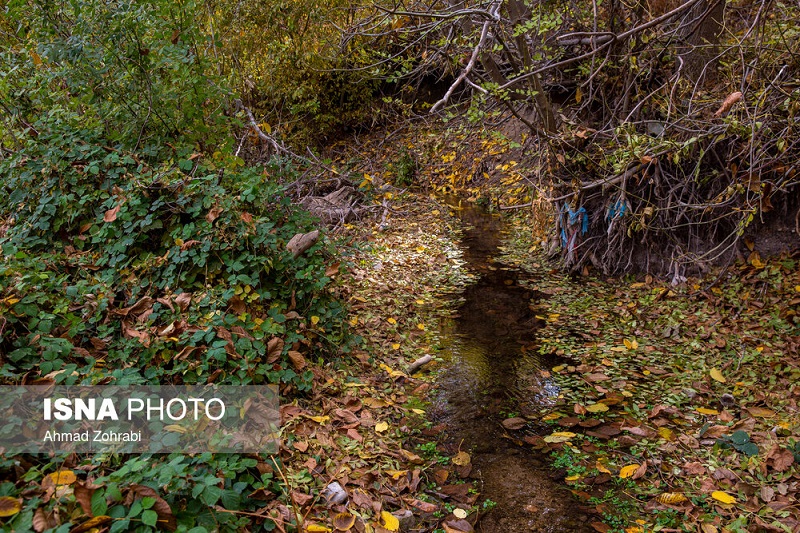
(150, 518)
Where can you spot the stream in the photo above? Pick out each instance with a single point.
(492, 372)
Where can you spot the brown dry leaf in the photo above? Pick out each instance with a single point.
(761, 412)
(298, 361)
(514, 423)
(461, 459)
(43, 520)
(213, 214)
(300, 498)
(640, 472)
(727, 104)
(111, 214)
(166, 520)
(183, 300)
(457, 526)
(83, 495)
(274, 349)
(344, 521)
(782, 460)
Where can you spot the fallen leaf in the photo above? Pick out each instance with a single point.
(318, 528)
(671, 498)
(344, 521)
(514, 423)
(213, 214)
(628, 471)
(92, 524)
(298, 361)
(761, 412)
(461, 459)
(390, 521)
(9, 506)
(460, 513)
(597, 408)
(723, 497)
(560, 436)
(63, 477)
(380, 427)
(111, 214)
(705, 411)
(717, 375)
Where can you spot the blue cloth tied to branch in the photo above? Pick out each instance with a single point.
(579, 216)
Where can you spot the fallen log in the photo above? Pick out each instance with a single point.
(419, 363)
(302, 242)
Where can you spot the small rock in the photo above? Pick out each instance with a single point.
(690, 393)
(727, 400)
(406, 519)
(334, 494)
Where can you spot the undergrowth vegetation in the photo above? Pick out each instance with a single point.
(137, 249)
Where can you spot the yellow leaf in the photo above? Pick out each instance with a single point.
(708, 528)
(396, 474)
(315, 320)
(717, 375)
(390, 522)
(419, 302)
(551, 416)
(418, 411)
(628, 471)
(601, 468)
(560, 436)
(353, 321)
(9, 506)
(618, 348)
(665, 433)
(576, 477)
(559, 368)
(396, 346)
(597, 408)
(705, 411)
(380, 427)
(63, 477)
(420, 249)
(391, 321)
(761, 412)
(460, 513)
(175, 428)
(723, 497)
(320, 419)
(671, 498)
(421, 327)
(633, 529)
(318, 528)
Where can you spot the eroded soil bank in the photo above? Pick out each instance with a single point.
(492, 374)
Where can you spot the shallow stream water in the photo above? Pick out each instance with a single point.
(493, 372)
